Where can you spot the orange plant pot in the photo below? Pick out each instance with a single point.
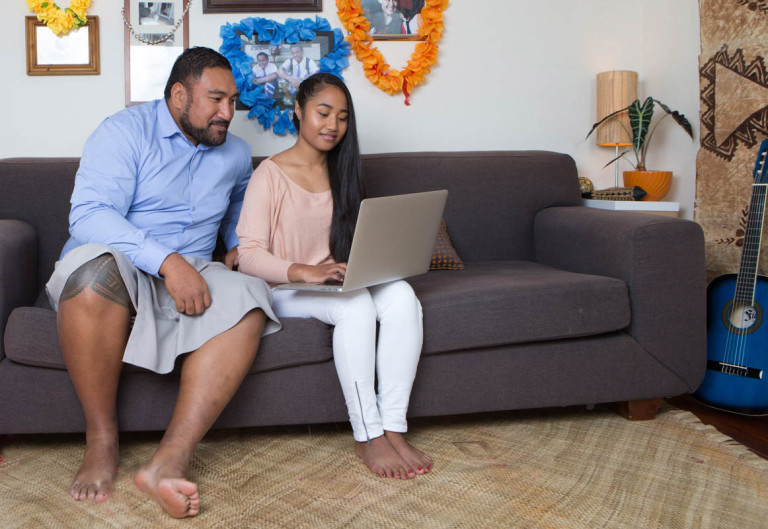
(654, 183)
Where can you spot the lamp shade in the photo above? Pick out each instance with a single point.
(615, 90)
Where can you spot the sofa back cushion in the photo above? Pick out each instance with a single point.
(37, 191)
(493, 197)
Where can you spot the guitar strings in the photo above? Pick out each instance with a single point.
(744, 296)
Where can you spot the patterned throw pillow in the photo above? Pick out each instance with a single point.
(444, 256)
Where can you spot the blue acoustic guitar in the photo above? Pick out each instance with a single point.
(737, 336)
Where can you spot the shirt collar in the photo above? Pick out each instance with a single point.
(166, 123)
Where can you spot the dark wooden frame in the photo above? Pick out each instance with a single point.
(92, 68)
(127, 46)
(254, 6)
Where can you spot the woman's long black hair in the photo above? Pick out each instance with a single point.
(344, 168)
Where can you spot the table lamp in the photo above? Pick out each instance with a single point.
(615, 90)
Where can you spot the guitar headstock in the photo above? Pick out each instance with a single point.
(760, 173)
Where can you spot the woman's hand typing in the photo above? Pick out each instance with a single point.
(301, 273)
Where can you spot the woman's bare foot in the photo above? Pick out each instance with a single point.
(98, 471)
(416, 459)
(164, 480)
(382, 459)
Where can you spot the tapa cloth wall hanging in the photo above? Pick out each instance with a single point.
(375, 66)
(269, 60)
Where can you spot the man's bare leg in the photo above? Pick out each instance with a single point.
(209, 378)
(93, 320)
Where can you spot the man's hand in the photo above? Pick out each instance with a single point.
(232, 259)
(317, 273)
(185, 285)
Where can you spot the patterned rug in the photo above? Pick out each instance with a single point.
(568, 468)
(734, 120)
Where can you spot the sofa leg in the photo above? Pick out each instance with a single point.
(639, 410)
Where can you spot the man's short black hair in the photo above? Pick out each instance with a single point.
(190, 65)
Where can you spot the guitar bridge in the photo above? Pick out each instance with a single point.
(736, 370)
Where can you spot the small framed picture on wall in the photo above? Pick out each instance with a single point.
(254, 6)
(281, 68)
(155, 35)
(394, 19)
(76, 53)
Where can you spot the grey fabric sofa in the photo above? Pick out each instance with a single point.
(559, 304)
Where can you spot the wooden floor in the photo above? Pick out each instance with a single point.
(749, 431)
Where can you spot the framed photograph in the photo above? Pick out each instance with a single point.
(76, 53)
(280, 68)
(394, 19)
(155, 36)
(253, 6)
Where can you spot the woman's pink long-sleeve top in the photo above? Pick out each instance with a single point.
(282, 223)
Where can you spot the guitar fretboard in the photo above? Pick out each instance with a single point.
(745, 282)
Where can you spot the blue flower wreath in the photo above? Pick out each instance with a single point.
(274, 33)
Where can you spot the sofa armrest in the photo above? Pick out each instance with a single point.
(661, 259)
(18, 269)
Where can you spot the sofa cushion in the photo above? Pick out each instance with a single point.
(31, 339)
(444, 255)
(489, 304)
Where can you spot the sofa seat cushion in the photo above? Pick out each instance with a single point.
(505, 302)
(31, 339)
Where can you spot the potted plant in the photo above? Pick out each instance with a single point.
(654, 183)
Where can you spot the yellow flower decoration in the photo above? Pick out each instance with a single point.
(376, 69)
(60, 21)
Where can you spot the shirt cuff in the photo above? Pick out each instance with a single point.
(151, 257)
(230, 239)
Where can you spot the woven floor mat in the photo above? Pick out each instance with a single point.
(560, 469)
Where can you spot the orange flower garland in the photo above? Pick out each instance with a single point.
(376, 69)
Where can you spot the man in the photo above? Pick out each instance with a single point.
(297, 68)
(265, 73)
(135, 283)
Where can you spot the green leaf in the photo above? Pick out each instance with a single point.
(678, 117)
(616, 159)
(606, 118)
(639, 120)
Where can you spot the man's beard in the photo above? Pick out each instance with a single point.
(201, 135)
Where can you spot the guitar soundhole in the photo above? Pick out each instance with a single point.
(742, 318)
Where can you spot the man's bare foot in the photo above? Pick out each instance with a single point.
(383, 460)
(416, 459)
(165, 482)
(98, 471)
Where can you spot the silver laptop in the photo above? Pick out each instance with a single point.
(394, 238)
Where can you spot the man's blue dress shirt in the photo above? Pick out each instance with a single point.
(146, 190)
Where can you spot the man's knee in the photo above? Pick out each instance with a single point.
(255, 321)
(99, 276)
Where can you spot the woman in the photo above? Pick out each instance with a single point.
(296, 224)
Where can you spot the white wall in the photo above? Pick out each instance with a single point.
(511, 74)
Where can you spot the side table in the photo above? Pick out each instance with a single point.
(669, 209)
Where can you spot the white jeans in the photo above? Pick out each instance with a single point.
(360, 363)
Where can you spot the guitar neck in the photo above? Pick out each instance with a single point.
(745, 283)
